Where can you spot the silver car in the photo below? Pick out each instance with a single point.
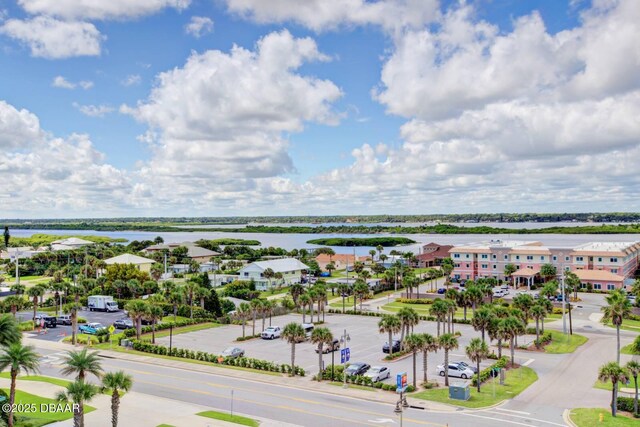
(233, 352)
(378, 373)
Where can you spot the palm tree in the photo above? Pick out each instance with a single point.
(268, 274)
(9, 331)
(477, 351)
(78, 392)
(320, 337)
(451, 311)
(175, 298)
(613, 372)
(538, 312)
(313, 295)
(72, 309)
(138, 310)
(243, 312)
(202, 293)
(389, 324)
(633, 366)
(304, 300)
(15, 304)
(617, 309)
(57, 288)
(524, 302)
(17, 357)
(296, 290)
(256, 306)
(343, 290)
(414, 343)
(361, 291)
(154, 313)
(35, 293)
(509, 269)
(511, 327)
(447, 342)
(190, 288)
(548, 271)
(116, 382)
(439, 309)
(407, 317)
(482, 319)
(429, 344)
(82, 363)
(133, 285)
(294, 334)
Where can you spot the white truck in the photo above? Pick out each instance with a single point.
(102, 303)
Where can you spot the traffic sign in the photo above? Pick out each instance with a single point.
(401, 382)
(345, 355)
(111, 329)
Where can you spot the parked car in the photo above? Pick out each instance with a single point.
(378, 373)
(64, 319)
(357, 368)
(499, 293)
(441, 290)
(233, 352)
(91, 328)
(395, 348)
(49, 321)
(334, 346)
(560, 297)
(271, 332)
(125, 323)
(466, 365)
(456, 371)
(504, 287)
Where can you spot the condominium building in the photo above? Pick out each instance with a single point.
(605, 265)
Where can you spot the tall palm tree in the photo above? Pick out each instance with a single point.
(633, 366)
(361, 291)
(389, 324)
(451, 311)
(116, 382)
(439, 309)
(72, 309)
(35, 293)
(9, 331)
(613, 372)
(296, 290)
(82, 363)
(15, 304)
(429, 344)
(414, 343)
(138, 310)
(482, 320)
(268, 274)
(538, 312)
(17, 357)
(477, 351)
(524, 302)
(78, 392)
(313, 296)
(175, 298)
(243, 312)
(190, 289)
(511, 327)
(321, 337)
(617, 309)
(343, 290)
(293, 333)
(57, 288)
(447, 342)
(154, 313)
(256, 306)
(304, 300)
(203, 293)
(475, 296)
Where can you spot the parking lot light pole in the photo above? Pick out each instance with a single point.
(344, 340)
(564, 304)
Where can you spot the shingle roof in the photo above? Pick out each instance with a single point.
(281, 265)
(128, 259)
(598, 275)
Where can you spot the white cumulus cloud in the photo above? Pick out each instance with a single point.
(199, 26)
(94, 110)
(63, 83)
(100, 9)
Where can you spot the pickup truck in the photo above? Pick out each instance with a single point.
(271, 332)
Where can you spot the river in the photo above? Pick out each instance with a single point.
(293, 241)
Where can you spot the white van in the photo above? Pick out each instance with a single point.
(308, 329)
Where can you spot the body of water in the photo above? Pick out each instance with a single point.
(299, 241)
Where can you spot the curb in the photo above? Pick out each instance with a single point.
(566, 416)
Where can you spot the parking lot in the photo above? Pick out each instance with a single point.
(61, 331)
(365, 344)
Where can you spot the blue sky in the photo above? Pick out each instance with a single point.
(351, 107)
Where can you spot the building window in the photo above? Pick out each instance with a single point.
(456, 255)
(467, 255)
(599, 259)
(566, 258)
(579, 259)
(468, 277)
(555, 258)
(614, 270)
(567, 268)
(529, 257)
(597, 286)
(542, 258)
(506, 257)
(614, 259)
(484, 256)
(517, 256)
(610, 287)
(485, 266)
(467, 265)
(495, 267)
(494, 256)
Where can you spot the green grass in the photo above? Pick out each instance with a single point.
(562, 343)
(51, 380)
(590, 417)
(628, 325)
(282, 291)
(423, 309)
(607, 385)
(236, 419)
(169, 318)
(627, 350)
(356, 386)
(36, 419)
(165, 425)
(517, 380)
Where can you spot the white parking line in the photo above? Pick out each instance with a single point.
(527, 418)
(528, 362)
(510, 410)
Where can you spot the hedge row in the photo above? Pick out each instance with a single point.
(544, 339)
(626, 404)
(414, 301)
(377, 314)
(243, 362)
(128, 333)
(337, 375)
(248, 337)
(487, 373)
(394, 356)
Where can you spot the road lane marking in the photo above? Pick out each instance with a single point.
(497, 419)
(510, 410)
(528, 362)
(526, 418)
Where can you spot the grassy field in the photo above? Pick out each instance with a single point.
(590, 417)
(236, 419)
(170, 318)
(51, 380)
(423, 309)
(38, 419)
(608, 386)
(517, 380)
(628, 325)
(627, 350)
(281, 292)
(562, 343)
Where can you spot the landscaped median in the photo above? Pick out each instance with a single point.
(236, 419)
(37, 417)
(590, 417)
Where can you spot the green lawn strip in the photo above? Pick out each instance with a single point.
(627, 350)
(197, 362)
(51, 380)
(517, 380)
(562, 343)
(170, 318)
(356, 386)
(165, 425)
(423, 309)
(39, 418)
(628, 325)
(590, 417)
(607, 385)
(282, 291)
(236, 419)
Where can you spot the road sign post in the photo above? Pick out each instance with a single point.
(111, 331)
(401, 382)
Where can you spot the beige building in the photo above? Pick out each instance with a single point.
(143, 264)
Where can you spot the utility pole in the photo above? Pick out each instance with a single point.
(17, 267)
(564, 304)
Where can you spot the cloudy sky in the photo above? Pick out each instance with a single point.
(283, 107)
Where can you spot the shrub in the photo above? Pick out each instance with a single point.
(410, 388)
(544, 339)
(128, 333)
(82, 320)
(26, 326)
(394, 356)
(625, 404)
(414, 301)
(487, 373)
(248, 337)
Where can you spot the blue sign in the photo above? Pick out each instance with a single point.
(401, 382)
(345, 355)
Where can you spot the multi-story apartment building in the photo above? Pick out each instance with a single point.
(605, 265)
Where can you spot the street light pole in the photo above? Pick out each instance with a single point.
(564, 304)
(343, 345)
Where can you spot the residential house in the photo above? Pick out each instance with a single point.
(432, 255)
(291, 269)
(194, 252)
(143, 264)
(69, 244)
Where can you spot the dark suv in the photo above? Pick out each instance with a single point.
(49, 321)
(394, 349)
